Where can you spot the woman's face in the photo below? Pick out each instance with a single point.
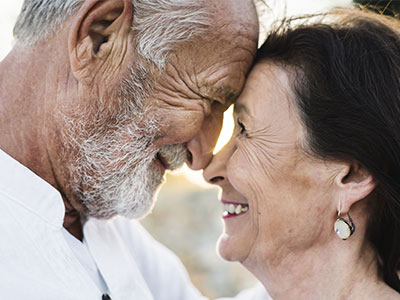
(286, 197)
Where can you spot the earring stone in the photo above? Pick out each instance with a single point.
(342, 227)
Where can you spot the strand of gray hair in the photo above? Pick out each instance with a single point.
(159, 25)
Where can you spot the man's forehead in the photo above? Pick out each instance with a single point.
(239, 12)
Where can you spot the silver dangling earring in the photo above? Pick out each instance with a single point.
(343, 228)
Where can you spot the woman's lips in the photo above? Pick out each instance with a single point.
(234, 209)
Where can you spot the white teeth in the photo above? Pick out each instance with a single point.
(238, 209)
(230, 208)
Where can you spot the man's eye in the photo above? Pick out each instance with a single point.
(241, 126)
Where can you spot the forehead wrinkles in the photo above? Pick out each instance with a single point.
(222, 71)
(212, 66)
(175, 80)
(227, 44)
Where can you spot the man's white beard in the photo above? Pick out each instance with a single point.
(116, 172)
(118, 177)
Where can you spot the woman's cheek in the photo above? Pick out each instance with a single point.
(242, 174)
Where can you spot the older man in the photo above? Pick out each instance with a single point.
(98, 98)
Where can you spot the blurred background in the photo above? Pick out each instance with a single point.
(187, 216)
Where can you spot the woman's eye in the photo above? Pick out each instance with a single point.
(241, 127)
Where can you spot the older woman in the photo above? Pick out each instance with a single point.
(311, 176)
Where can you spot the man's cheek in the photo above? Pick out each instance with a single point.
(179, 127)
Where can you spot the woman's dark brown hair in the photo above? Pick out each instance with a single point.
(347, 87)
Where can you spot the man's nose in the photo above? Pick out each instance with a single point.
(201, 146)
(200, 152)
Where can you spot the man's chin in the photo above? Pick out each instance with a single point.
(130, 213)
(137, 205)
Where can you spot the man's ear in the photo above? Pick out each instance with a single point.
(100, 26)
(354, 183)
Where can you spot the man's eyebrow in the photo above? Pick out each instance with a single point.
(226, 92)
(229, 93)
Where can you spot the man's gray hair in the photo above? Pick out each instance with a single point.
(160, 25)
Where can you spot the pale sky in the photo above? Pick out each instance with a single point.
(9, 11)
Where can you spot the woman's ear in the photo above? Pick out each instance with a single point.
(355, 183)
(99, 28)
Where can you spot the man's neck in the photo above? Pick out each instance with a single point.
(19, 127)
(29, 85)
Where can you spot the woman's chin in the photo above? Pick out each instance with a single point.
(231, 249)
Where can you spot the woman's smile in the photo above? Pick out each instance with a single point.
(233, 209)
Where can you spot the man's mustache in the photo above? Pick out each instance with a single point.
(173, 156)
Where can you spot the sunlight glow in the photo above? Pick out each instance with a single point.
(227, 130)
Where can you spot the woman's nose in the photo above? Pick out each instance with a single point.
(215, 172)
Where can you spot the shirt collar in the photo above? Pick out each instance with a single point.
(27, 189)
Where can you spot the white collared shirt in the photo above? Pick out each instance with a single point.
(37, 261)
(84, 256)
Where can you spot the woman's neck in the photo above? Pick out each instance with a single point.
(339, 270)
